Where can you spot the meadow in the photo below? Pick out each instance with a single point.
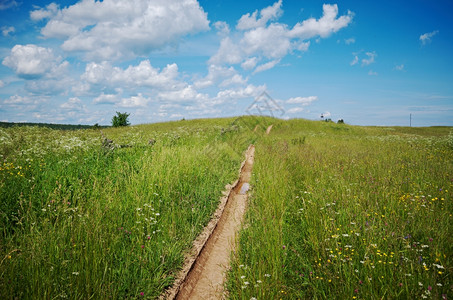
(344, 212)
(335, 211)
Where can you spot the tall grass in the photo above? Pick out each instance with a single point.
(341, 212)
(82, 221)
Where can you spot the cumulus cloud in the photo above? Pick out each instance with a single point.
(113, 29)
(372, 73)
(73, 104)
(134, 101)
(242, 92)
(294, 110)
(222, 27)
(144, 74)
(426, 37)
(216, 74)
(2, 84)
(302, 100)
(249, 21)
(106, 99)
(261, 42)
(31, 61)
(44, 13)
(355, 60)
(325, 26)
(18, 100)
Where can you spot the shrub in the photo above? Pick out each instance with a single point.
(120, 119)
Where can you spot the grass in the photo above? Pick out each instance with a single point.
(336, 211)
(343, 212)
(82, 221)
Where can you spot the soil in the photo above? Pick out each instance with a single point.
(204, 273)
(268, 130)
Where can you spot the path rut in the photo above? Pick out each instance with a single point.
(205, 274)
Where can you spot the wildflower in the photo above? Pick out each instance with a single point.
(420, 284)
(429, 288)
(439, 284)
(142, 294)
(75, 273)
(267, 275)
(242, 277)
(246, 283)
(253, 298)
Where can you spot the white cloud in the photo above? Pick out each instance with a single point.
(266, 66)
(234, 80)
(112, 29)
(349, 41)
(355, 60)
(370, 59)
(271, 42)
(228, 52)
(302, 100)
(240, 93)
(32, 61)
(294, 110)
(249, 63)
(185, 94)
(372, 73)
(18, 100)
(248, 21)
(6, 30)
(215, 74)
(44, 13)
(325, 26)
(222, 27)
(426, 37)
(134, 101)
(2, 84)
(141, 75)
(106, 99)
(73, 104)
(262, 40)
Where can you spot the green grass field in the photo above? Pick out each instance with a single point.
(335, 211)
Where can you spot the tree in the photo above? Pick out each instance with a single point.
(120, 119)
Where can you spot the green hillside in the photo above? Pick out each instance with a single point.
(335, 212)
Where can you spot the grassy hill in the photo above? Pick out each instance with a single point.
(336, 211)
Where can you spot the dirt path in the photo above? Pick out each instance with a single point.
(204, 273)
(268, 130)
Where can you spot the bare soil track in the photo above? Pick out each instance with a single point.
(203, 275)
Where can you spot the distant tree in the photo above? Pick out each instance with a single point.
(341, 121)
(120, 119)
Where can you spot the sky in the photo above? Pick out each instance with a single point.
(385, 63)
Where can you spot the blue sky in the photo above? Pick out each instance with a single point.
(367, 62)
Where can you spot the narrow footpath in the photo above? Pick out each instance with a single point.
(205, 274)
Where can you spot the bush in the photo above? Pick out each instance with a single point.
(120, 119)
